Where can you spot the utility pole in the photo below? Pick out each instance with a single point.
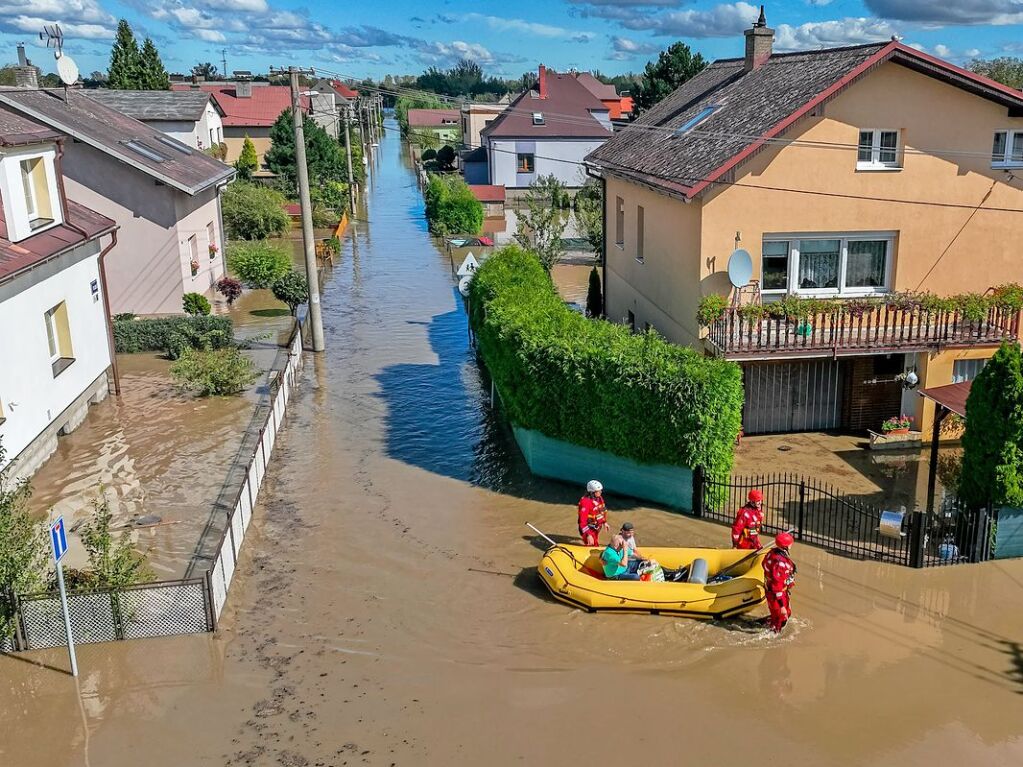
(315, 316)
(361, 109)
(348, 150)
(223, 58)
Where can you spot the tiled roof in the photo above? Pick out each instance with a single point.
(16, 257)
(343, 90)
(751, 107)
(488, 192)
(114, 134)
(601, 90)
(260, 110)
(433, 118)
(154, 105)
(567, 112)
(16, 130)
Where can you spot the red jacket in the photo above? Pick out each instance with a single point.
(747, 524)
(780, 571)
(592, 513)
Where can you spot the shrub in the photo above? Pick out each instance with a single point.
(229, 288)
(259, 264)
(429, 154)
(711, 309)
(541, 224)
(594, 298)
(253, 212)
(451, 207)
(248, 161)
(23, 545)
(213, 372)
(592, 382)
(292, 289)
(171, 335)
(113, 561)
(195, 304)
(446, 156)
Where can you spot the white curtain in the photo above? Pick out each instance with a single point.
(818, 263)
(865, 264)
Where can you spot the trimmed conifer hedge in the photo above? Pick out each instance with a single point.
(171, 335)
(592, 382)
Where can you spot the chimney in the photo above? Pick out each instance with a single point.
(25, 74)
(242, 86)
(542, 82)
(759, 40)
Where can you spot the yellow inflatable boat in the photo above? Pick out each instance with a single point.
(573, 574)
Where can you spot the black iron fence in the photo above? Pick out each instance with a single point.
(818, 514)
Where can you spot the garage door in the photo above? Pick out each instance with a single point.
(793, 396)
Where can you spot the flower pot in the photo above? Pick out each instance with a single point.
(897, 431)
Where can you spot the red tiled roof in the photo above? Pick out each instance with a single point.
(433, 118)
(343, 90)
(951, 396)
(488, 192)
(16, 257)
(261, 109)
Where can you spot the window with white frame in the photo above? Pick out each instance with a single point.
(966, 370)
(1007, 149)
(839, 265)
(35, 184)
(878, 149)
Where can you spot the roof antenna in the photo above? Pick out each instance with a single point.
(67, 70)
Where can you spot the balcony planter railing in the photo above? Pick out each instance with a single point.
(845, 327)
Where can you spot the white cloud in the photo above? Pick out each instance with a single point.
(829, 34)
(254, 6)
(210, 35)
(950, 12)
(625, 49)
(82, 19)
(943, 51)
(723, 20)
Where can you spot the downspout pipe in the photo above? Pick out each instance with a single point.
(108, 319)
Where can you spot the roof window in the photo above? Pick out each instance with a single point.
(173, 144)
(145, 150)
(700, 117)
(538, 118)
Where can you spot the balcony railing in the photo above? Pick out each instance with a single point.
(740, 333)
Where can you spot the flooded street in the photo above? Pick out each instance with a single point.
(386, 609)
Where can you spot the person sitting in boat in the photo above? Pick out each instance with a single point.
(746, 528)
(780, 574)
(628, 532)
(615, 559)
(592, 513)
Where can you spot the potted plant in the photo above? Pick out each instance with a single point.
(897, 425)
(213, 251)
(194, 264)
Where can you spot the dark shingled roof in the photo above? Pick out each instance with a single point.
(15, 130)
(16, 257)
(754, 106)
(155, 105)
(110, 132)
(567, 112)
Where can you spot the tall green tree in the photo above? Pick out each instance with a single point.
(154, 74)
(248, 161)
(541, 224)
(23, 550)
(1008, 70)
(589, 212)
(993, 441)
(206, 70)
(673, 67)
(126, 69)
(325, 157)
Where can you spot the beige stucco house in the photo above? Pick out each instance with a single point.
(852, 173)
(164, 195)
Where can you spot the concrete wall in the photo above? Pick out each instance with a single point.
(148, 271)
(35, 403)
(234, 137)
(475, 118)
(562, 158)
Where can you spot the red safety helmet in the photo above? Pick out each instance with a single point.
(784, 540)
(755, 496)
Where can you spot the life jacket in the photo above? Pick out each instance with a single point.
(780, 570)
(747, 522)
(596, 515)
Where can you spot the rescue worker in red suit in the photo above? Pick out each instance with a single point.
(746, 527)
(780, 573)
(592, 514)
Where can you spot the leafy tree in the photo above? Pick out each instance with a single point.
(229, 288)
(126, 69)
(325, 157)
(589, 212)
(673, 67)
(541, 225)
(248, 161)
(418, 101)
(213, 372)
(7, 75)
(23, 545)
(253, 212)
(259, 264)
(594, 297)
(528, 81)
(113, 562)
(451, 207)
(446, 156)
(206, 70)
(429, 154)
(154, 74)
(293, 289)
(195, 304)
(1008, 70)
(993, 442)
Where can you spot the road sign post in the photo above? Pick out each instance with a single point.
(58, 539)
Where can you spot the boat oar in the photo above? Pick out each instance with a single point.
(541, 534)
(748, 557)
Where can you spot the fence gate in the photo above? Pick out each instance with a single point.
(805, 395)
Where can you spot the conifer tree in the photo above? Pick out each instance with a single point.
(248, 161)
(125, 60)
(154, 74)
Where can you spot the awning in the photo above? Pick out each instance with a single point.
(952, 397)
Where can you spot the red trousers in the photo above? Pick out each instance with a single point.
(589, 536)
(780, 610)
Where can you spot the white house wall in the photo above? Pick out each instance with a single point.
(31, 397)
(562, 158)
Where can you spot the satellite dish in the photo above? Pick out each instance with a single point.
(67, 69)
(740, 268)
(463, 285)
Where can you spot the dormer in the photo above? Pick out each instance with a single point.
(29, 190)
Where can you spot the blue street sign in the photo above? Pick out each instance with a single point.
(59, 539)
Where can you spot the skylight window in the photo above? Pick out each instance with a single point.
(145, 150)
(538, 118)
(692, 122)
(173, 144)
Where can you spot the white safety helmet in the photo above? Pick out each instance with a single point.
(593, 486)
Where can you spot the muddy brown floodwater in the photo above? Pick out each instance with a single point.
(386, 609)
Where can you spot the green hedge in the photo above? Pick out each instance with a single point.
(451, 207)
(171, 335)
(594, 383)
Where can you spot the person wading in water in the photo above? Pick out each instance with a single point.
(592, 514)
(746, 528)
(780, 574)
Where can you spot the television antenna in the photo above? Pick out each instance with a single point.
(67, 69)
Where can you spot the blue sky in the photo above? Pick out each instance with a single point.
(507, 38)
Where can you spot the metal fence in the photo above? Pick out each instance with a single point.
(818, 514)
(187, 606)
